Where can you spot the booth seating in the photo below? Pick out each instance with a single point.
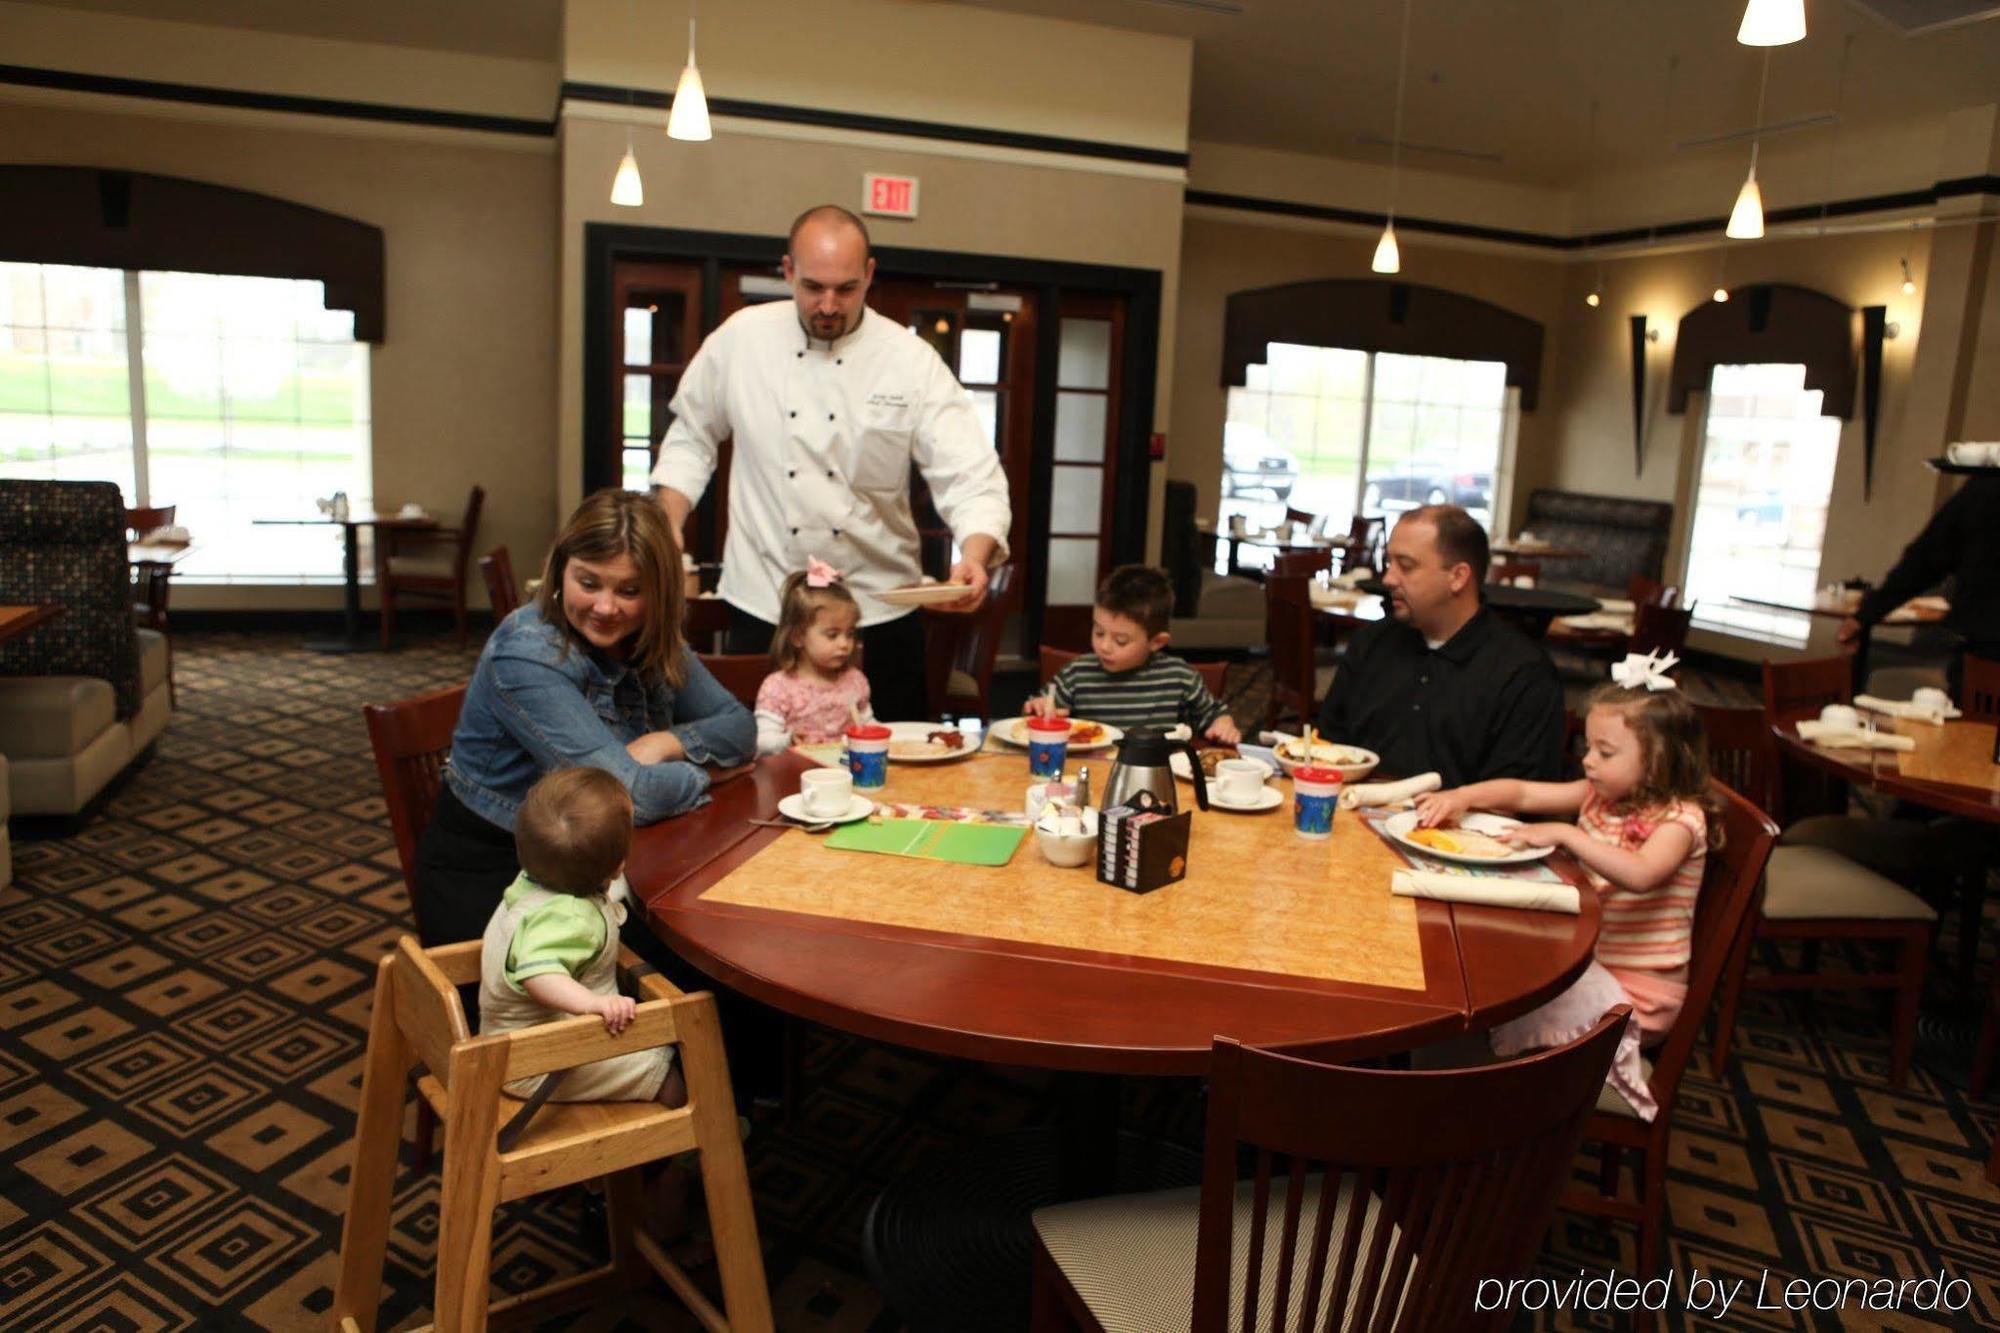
(85, 695)
(1624, 537)
(1211, 611)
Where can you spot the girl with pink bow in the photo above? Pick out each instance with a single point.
(815, 687)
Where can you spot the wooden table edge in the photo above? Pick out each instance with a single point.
(1944, 797)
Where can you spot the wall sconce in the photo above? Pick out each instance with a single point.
(1652, 335)
(1892, 330)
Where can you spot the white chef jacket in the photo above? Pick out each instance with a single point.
(824, 437)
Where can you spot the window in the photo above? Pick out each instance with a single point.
(230, 398)
(1337, 433)
(1760, 504)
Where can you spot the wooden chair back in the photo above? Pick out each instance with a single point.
(975, 645)
(1721, 913)
(1741, 752)
(739, 673)
(1402, 1186)
(1308, 563)
(1055, 659)
(468, 529)
(142, 520)
(1660, 629)
(1303, 518)
(411, 740)
(502, 592)
(1365, 539)
(1794, 690)
(429, 1009)
(1513, 571)
(1979, 688)
(1643, 591)
(1288, 629)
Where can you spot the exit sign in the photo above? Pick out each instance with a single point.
(889, 196)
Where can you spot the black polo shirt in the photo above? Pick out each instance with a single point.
(1484, 704)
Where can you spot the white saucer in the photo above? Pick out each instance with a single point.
(1271, 799)
(794, 807)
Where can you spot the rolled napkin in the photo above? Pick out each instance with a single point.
(1334, 596)
(1911, 709)
(1616, 621)
(1388, 793)
(1973, 453)
(1617, 606)
(1850, 738)
(1355, 577)
(1486, 891)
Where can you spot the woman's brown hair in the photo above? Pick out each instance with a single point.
(1673, 751)
(605, 526)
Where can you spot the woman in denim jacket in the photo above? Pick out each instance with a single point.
(595, 672)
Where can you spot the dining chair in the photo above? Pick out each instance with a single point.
(152, 581)
(1643, 591)
(1979, 688)
(1815, 890)
(1370, 1203)
(1659, 629)
(1288, 629)
(1795, 690)
(739, 673)
(411, 740)
(502, 593)
(961, 682)
(1304, 518)
(494, 1154)
(1308, 563)
(426, 562)
(1514, 572)
(1365, 539)
(1055, 659)
(1729, 883)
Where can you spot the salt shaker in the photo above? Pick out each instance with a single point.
(1082, 799)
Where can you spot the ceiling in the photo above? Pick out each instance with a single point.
(1497, 88)
(520, 29)
(1507, 85)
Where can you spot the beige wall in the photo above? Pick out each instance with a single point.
(464, 383)
(1224, 253)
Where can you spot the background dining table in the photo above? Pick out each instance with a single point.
(18, 620)
(1031, 965)
(353, 639)
(1530, 608)
(1917, 611)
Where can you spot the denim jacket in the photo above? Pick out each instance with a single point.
(539, 702)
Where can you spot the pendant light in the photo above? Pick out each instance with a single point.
(1388, 256)
(627, 190)
(1909, 283)
(1773, 23)
(1721, 293)
(689, 117)
(1596, 297)
(1746, 220)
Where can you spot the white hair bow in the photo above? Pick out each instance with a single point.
(1645, 671)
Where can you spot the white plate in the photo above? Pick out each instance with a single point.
(1351, 771)
(923, 594)
(1401, 825)
(1014, 732)
(1269, 798)
(917, 731)
(794, 807)
(1178, 762)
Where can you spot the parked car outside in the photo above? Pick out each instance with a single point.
(1252, 461)
(1468, 490)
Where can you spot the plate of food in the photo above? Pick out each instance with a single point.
(927, 593)
(1084, 736)
(1473, 840)
(927, 743)
(1351, 761)
(1178, 762)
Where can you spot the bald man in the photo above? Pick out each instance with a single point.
(828, 405)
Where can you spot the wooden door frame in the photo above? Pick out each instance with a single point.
(607, 243)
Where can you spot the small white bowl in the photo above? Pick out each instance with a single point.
(1066, 849)
(1349, 772)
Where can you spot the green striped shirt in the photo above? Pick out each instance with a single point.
(1164, 691)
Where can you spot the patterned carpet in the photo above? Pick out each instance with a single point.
(184, 987)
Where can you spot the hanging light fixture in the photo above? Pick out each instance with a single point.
(1909, 283)
(627, 190)
(1773, 23)
(1596, 297)
(1388, 256)
(1746, 220)
(1721, 295)
(689, 117)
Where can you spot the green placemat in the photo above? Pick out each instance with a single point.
(961, 844)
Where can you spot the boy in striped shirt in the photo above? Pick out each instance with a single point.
(1127, 680)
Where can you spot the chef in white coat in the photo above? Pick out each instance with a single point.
(828, 404)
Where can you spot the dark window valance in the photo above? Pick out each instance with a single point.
(1379, 315)
(130, 220)
(1772, 323)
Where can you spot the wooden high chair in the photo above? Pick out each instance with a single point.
(418, 1019)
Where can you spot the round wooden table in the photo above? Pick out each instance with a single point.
(1951, 770)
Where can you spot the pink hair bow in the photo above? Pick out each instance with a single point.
(820, 574)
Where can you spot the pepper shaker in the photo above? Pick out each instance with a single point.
(1082, 793)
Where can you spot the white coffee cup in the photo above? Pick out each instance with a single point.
(1237, 781)
(827, 792)
(1840, 715)
(1932, 698)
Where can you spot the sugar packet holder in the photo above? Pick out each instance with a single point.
(1140, 846)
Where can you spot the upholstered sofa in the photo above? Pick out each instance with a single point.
(1624, 537)
(85, 694)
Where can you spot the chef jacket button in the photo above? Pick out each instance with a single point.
(795, 532)
(829, 416)
(837, 361)
(836, 532)
(802, 353)
(829, 472)
(791, 472)
(795, 414)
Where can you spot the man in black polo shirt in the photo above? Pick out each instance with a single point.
(1443, 685)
